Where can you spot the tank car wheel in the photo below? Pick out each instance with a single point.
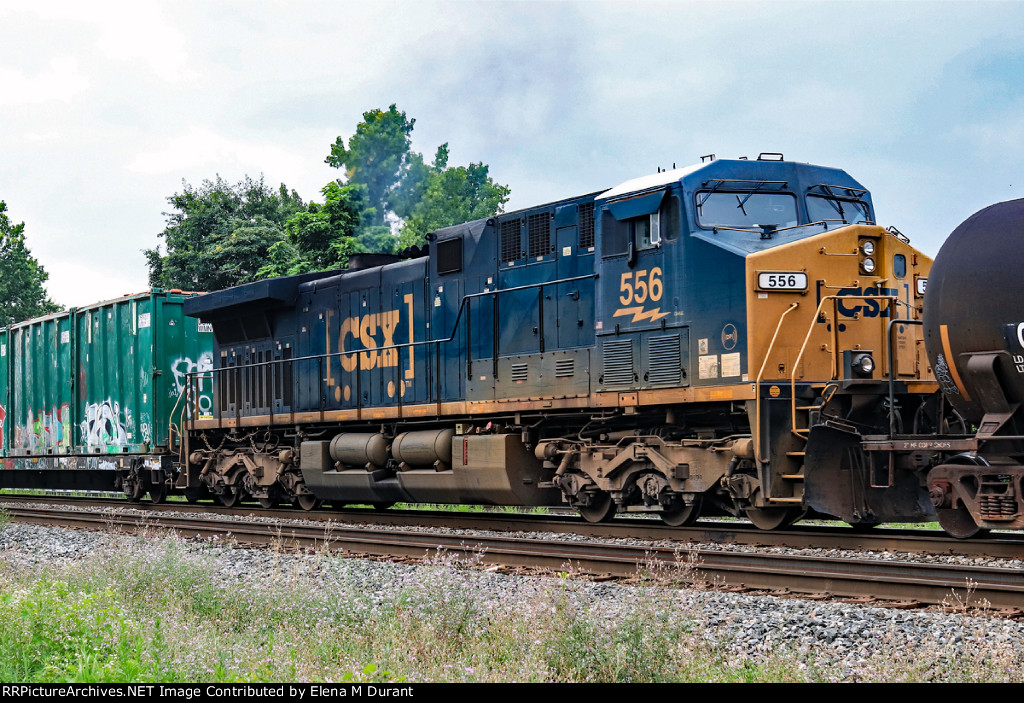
(157, 493)
(774, 518)
(229, 498)
(957, 522)
(382, 506)
(601, 508)
(307, 501)
(193, 495)
(133, 489)
(680, 514)
(268, 503)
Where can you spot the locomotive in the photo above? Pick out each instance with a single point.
(735, 337)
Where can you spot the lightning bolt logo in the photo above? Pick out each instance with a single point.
(639, 314)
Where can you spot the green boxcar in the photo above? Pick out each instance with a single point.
(98, 385)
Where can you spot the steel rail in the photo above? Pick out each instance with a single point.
(955, 585)
(1008, 545)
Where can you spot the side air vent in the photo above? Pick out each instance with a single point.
(586, 225)
(520, 372)
(449, 256)
(618, 363)
(664, 360)
(539, 229)
(565, 368)
(511, 243)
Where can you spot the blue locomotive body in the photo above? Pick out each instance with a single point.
(614, 351)
(577, 284)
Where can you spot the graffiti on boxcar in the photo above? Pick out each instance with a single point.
(103, 426)
(3, 416)
(183, 366)
(45, 430)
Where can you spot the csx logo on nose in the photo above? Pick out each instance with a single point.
(868, 307)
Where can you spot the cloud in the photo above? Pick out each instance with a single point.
(136, 32)
(61, 81)
(202, 148)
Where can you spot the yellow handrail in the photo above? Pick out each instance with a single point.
(835, 333)
(757, 384)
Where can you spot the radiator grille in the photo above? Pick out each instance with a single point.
(520, 372)
(664, 361)
(618, 363)
(564, 368)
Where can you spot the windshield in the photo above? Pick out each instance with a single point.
(833, 209)
(746, 210)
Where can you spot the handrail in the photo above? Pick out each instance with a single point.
(892, 374)
(757, 384)
(406, 345)
(835, 334)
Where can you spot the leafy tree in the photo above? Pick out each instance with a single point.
(22, 295)
(401, 186)
(451, 195)
(219, 235)
(377, 156)
(320, 237)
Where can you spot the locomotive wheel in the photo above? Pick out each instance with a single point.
(194, 494)
(230, 499)
(774, 518)
(957, 522)
(601, 508)
(268, 503)
(306, 501)
(681, 514)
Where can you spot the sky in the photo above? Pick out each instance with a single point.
(107, 108)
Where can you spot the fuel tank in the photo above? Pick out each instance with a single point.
(974, 312)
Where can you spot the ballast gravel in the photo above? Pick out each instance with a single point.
(844, 640)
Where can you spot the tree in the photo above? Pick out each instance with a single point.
(320, 237)
(22, 295)
(402, 188)
(220, 235)
(377, 156)
(450, 196)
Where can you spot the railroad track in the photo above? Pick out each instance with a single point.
(900, 582)
(1009, 545)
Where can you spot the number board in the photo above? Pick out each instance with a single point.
(782, 280)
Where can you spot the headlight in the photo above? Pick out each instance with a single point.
(868, 247)
(868, 264)
(864, 364)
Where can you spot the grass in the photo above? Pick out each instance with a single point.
(167, 610)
